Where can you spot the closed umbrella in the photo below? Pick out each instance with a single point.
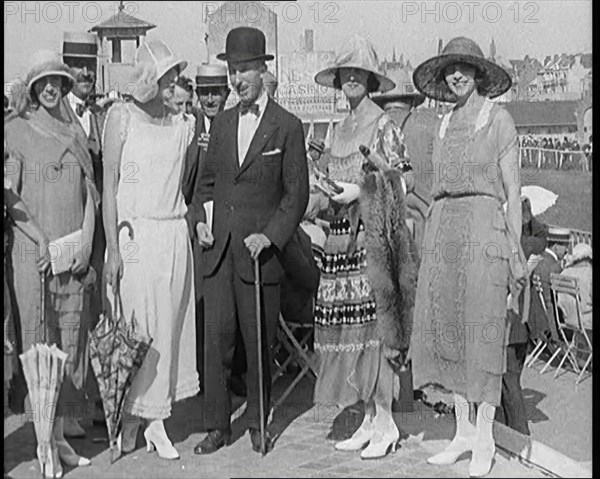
(44, 369)
(116, 354)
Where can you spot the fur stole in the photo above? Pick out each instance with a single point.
(392, 257)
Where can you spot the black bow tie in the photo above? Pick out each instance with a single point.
(252, 108)
(80, 109)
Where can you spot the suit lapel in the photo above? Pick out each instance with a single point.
(267, 126)
(231, 137)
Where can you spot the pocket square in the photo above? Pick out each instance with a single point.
(276, 151)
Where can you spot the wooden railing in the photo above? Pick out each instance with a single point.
(578, 236)
(546, 158)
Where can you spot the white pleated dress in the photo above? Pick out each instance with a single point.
(157, 288)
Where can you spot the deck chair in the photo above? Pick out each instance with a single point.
(294, 338)
(540, 344)
(567, 285)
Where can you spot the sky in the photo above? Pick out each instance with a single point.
(519, 27)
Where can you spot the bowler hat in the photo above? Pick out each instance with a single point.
(429, 77)
(80, 45)
(211, 75)
(245, 44)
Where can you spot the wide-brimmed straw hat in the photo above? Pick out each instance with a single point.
(580, 251)
(153, 59)
(46, 63)
(430, 80)
(358, 52)
(211, 75)
(404, 91)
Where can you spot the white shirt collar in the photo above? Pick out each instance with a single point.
(552, 253)
(207, 124)
(262, 102)
(74, 99)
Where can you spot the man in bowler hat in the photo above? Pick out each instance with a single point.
(256, 173)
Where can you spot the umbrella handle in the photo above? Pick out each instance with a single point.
(260, 358)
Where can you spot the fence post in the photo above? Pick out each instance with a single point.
(539, 159)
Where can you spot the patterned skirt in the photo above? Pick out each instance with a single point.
(345, 322)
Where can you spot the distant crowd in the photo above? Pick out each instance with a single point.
(565, 154)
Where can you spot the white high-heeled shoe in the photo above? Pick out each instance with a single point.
(481, 462)
(156, 438)
(359, 439)
(381, 444)
(456, 448)
(68, 455)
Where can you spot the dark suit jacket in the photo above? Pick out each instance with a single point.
(533, 240)
(545, 267)
(534, 237)
(194, 159)
(267, 194)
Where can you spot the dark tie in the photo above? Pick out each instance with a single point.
(252, 108)
(80, 109)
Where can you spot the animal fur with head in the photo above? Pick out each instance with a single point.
(392, 258)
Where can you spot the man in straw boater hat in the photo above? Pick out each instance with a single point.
(417, 125)
(551, 262)
(212, 88)
(256, 173)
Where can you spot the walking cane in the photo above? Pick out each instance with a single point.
(261, 401)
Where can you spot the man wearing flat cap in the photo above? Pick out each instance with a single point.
(256, 173)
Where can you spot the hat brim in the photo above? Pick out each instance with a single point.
(415, 98)
(429, 79)
(78, 55)
(59, 73)
(175, 63)
(236, 59)
(210, 85)
(327, 78)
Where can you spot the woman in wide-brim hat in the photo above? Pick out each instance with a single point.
(145, 142)
(62, 198)
(462, 286)
(356, 321)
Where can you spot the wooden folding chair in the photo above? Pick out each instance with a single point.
(540, 344)
(298, 354)
(560, 284)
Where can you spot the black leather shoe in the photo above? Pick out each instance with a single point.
(214, 440)
(255, 440)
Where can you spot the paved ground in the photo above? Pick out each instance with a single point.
(302, 449)
(560, 412)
